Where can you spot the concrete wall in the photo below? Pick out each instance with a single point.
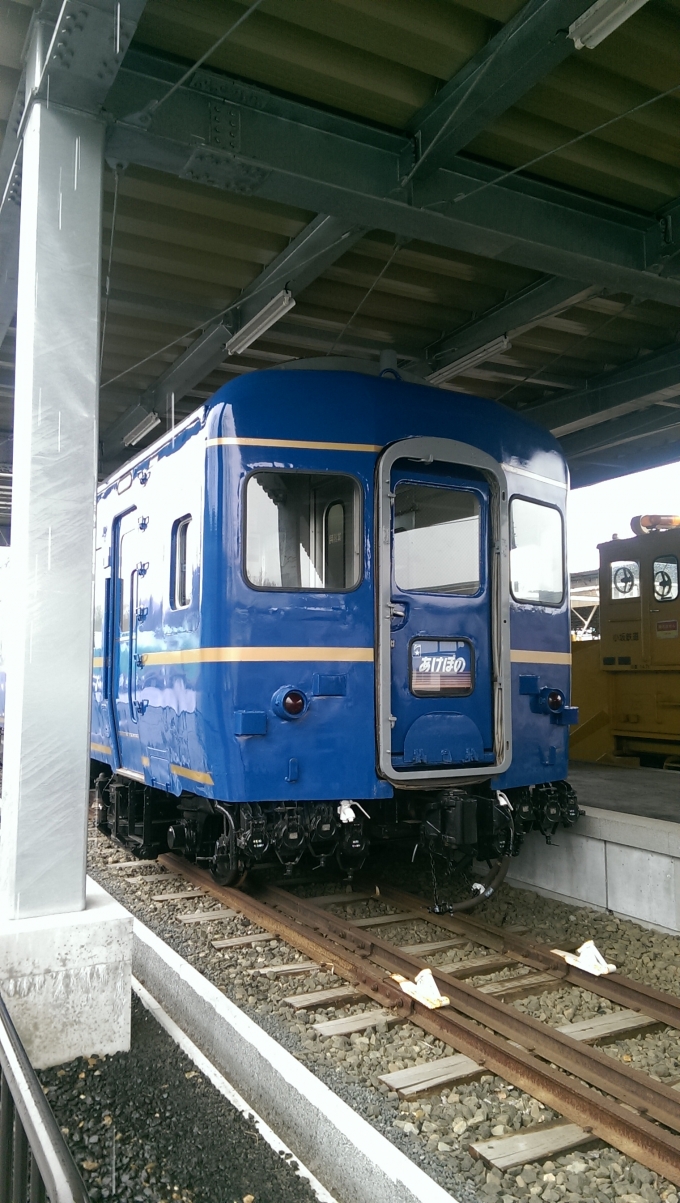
(618, 862)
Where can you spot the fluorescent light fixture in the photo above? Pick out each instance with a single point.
(596, 24)
(267, 317)
(458, 367)
(134, 436)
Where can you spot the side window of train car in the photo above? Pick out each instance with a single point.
(303, 531)
(536, 553)
(625, 579)
(180, 583)
(436, 539)
(666, 578)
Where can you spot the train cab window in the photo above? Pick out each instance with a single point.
(303, 531)
(536, 553)
(181, 586)
(436, 539)
(625, 579)
(666, 578)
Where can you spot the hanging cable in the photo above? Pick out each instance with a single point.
(503, 38)
(362, 302)
(146, 114)
(506, 175)
(577, 342)
(107, 285)
(222, 313)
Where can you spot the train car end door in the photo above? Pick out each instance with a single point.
(443, 614)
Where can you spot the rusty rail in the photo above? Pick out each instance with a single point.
(629, 1086)
(614, 986)
(555, 1069)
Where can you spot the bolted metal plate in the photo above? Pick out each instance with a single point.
(225, 126)
(221, 169)
(87, 48)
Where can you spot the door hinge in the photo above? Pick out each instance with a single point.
(141, 613)
(140, 660)
(142, 568)
(395, 611)
(393, 720)
(143, 522)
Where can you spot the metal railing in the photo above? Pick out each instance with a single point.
(35, 1161)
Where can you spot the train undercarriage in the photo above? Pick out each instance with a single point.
(458, 829)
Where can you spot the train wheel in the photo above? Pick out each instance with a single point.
(228, 877)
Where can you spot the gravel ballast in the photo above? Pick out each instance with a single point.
(176, 1138)
(437, 1130)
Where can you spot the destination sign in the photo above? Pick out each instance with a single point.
(441, 667)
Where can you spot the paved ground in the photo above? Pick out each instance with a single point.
(176, 1137)
(651, 792)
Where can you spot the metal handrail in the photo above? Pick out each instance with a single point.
(31, 1144)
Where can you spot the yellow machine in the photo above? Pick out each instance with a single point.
(627, 683)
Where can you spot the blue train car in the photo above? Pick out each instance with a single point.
(331, 605)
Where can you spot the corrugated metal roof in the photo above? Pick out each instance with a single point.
(182, 252)
(384, 61)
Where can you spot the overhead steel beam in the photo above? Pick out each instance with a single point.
(10, 208)
(226, 134)
(613, 394)
(9, 264)
(631, 457)
(118, 435)
(669, 223)
(630, 429)
(89, 39)
(197, 361)
(511, 318)
(75, 51)
(530, 45)
(318, 245)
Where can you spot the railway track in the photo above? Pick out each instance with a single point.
(607, 1099)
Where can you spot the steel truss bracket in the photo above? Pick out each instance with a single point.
(87, 48)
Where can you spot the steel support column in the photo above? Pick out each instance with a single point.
(45, 788)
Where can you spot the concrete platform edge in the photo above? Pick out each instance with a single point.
(225, 1088)
(612, 862)
(352, 1159)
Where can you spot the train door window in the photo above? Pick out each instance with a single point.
(180, 590)
(334, 541)
(666, 578)
(303, 531)
(625, 579)
(124, 583)
(436, 539)
(536, 553)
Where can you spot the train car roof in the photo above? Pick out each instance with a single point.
(356, 407)
(340, 404)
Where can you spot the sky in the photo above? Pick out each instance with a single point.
(599, 511)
